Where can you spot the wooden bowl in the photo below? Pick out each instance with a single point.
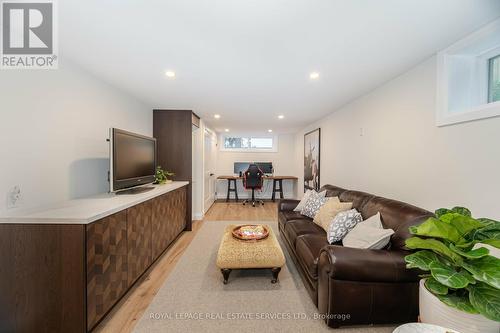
(250, 232)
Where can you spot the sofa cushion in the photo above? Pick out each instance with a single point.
(358, 199)
(332, 191)
(296, 228)
(291, 215)
(307, 248)
(393, 213)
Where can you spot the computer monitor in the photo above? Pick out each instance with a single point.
(266, 167)
(240, 167)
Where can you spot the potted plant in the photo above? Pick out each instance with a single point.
(460, 289)
(161, 176)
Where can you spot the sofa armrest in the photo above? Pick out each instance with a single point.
(287, 205)
(351, 264)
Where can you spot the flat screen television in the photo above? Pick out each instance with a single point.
(132, 160)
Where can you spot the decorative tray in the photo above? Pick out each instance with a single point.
(249, 232)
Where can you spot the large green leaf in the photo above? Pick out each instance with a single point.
(471, 254)
(465, 224)
(421, 259)
(461, 303)
(434, 245)
(470, 245)
(486, 269)
(441, 211)
(492, 242)
(435, 287)
(433, 227)
(450, 277)
(486, 300)
(487, 221)
(462, 211)
(446, 218)
(490, 233)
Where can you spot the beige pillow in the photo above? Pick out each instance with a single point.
(328, 211)
(369, 234)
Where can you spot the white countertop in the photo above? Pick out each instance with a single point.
(87, 210)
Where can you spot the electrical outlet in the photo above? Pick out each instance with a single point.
(14, 197)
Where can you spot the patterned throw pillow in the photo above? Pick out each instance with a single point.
(313, 204)
(342, 224)
(303, 202)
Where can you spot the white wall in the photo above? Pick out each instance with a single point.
(53, 130)
(403, 155)
(282, 163)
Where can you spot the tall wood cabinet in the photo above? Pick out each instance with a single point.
(173, 132)
(67, 277)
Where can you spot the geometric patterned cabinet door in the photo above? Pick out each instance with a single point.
(159, 224)
(106, 265)
(168, 220)
(139, 239)
(178, 213)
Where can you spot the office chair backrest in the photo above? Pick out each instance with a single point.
(253, 177)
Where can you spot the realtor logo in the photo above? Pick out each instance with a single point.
(28, 35)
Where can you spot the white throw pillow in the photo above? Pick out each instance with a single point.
(303, 201)
(369, 234)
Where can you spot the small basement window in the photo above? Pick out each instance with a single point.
(494, 80)
(468, 73)
(249, 143)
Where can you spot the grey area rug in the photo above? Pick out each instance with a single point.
(194, 299)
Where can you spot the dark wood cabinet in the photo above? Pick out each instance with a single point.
(173, 132)
(42, 278)
(160, 225)
(166, 226)
(139, 239)
(67, 277)
(107, 268)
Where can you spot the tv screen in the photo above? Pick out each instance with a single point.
(133, 159)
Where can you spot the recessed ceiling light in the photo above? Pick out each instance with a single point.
(314, 75)
(281, 116)
(216, 116)
(226, 130)
(270, 130)
(170, 74)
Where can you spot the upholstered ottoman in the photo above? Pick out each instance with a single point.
(238, 254)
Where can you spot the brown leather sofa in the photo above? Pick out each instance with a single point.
(355, 286)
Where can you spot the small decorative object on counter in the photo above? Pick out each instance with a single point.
(161, 176)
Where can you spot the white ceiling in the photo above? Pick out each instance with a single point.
(249, 61)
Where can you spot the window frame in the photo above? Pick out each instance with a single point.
(467, 63)
(273, 149)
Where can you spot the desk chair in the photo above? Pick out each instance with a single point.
(253, 179)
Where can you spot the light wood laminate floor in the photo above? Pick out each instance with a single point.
(236, 211)
(133, 305)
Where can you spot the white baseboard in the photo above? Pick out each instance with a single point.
(197, 216)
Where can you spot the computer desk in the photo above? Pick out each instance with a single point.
(277, 180)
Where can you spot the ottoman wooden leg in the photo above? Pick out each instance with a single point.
(275, 271)
(225, 273)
